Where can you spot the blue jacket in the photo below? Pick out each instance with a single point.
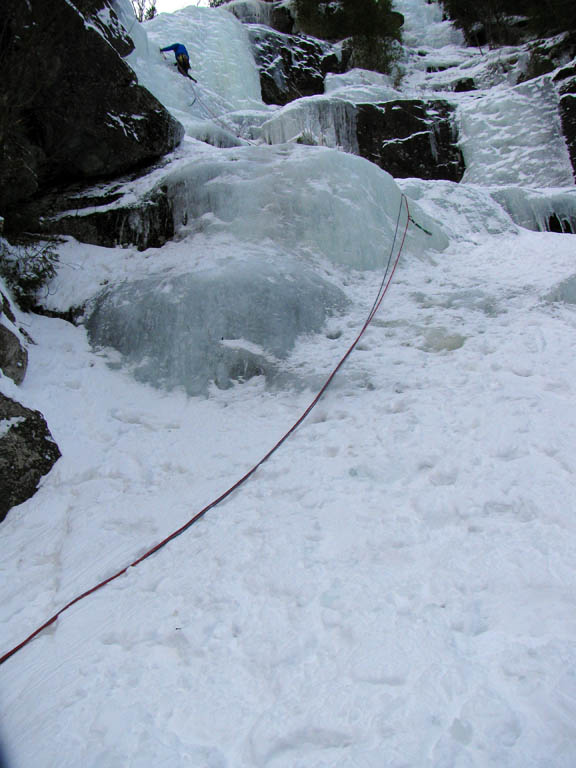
(178, 49)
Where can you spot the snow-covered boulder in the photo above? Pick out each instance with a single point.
(218, 325)
(290, 66)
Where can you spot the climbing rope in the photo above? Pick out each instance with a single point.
(382, 290)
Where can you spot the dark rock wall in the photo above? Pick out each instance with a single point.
(70, 108)
(410, 138)
(13, 354)
(147, 223)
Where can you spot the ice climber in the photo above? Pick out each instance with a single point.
(182, 58)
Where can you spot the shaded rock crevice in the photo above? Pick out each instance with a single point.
(565, 82)
(148, 223)
(13, 352)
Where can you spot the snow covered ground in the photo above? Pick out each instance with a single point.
(396, 587)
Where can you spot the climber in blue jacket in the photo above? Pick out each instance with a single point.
(182, 58)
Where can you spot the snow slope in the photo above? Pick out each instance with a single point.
(396, 586)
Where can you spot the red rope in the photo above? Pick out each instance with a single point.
(381, 293)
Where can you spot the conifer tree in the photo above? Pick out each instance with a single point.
(371, 25)
(494, 18)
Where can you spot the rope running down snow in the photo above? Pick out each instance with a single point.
(382, 290)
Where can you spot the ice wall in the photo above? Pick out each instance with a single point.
(540, 209)
(318, 120)
(512, 136)
(250, 11)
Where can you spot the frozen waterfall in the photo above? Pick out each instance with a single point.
(306, 200)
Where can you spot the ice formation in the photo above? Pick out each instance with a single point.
(564, 292)
(221, 61)
(250, 11)
(508, 137)
(328, 122)
(467, 212)
(423, 26)
(228, 323)
(309, 206)
(540, 209)
(314, 201)
(361, 85)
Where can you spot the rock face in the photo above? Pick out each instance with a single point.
(146, 224)
(71, 108)
(13, 354)
(410, 138)
(290, 66)
(99, 215)
(27, 452)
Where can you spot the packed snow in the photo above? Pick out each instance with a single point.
(396, 586)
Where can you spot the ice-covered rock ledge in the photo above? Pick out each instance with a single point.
(261, 237)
